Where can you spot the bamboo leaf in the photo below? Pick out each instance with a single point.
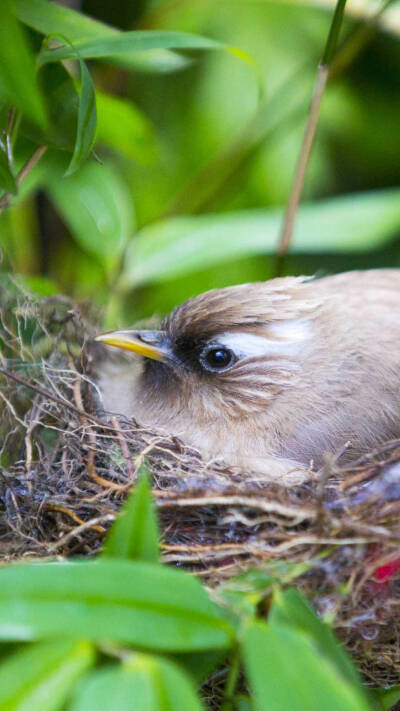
(127, 42)
(180, 245)
(97, 207)
(132, 602)
(143, 683)
(287, 672)
(39, 677)
(87, 121)
(384, 699)
(390, 697)
(244, 703)
(290, 608)
(134, 535)
(17, 68)
(47, 17)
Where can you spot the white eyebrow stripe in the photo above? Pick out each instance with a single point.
(290, 335)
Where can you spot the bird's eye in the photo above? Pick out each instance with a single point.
(215, 358)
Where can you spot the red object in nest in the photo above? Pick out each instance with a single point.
(386, 572)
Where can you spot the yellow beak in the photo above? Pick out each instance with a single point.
(150, 344)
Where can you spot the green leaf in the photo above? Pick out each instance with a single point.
(87, 121)
(40, 676)
(384, 699)
(243, 703)
(290, 608)
(7, 178)
(136, 603)
(181, 245)
(47, 18)
(142, 683)
(287, 672)
(121, 125)
(40, 285)
(63, 106)
(97, 207)
(134, 535)
(127, 42)
(389, 697)
(245, 591)
(17, 68)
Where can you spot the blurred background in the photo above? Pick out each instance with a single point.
(195, 152)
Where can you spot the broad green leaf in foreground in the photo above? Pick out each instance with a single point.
(134, 535)
(384, 699)
(290, 608)
(143, 683)
(48, 17)
(40, 676)
(180, 245)
(17, 69)
(286, 671)
(244, 703)
(145, 605)
(127, 42)
(97, 206)
(87, 120)
(389, 697)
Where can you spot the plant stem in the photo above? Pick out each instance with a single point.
(333, 36)
(25, 170)
(303, 159)
(231, 680)
(356, 43)
(309, 133)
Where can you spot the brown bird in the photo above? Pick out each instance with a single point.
(271, 376)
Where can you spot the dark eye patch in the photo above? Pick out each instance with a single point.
(201, 356)
(188, 351)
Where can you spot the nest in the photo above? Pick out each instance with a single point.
(66, 468)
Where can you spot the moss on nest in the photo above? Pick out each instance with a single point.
(66, 468)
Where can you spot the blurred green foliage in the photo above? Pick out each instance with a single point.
(180, 150)
(125, 631)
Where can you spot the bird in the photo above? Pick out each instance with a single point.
(270, 377)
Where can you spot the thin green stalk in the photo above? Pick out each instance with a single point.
(303, 159)
(231, 680)
(333, 36)
(355, 44)
(25, 170)
(310, 130)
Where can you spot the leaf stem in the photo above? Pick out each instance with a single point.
(25, 170)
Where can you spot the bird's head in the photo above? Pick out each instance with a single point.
(226, 353)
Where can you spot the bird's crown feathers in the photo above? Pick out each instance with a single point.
(242, 307)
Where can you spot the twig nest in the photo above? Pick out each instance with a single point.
(66, 468)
